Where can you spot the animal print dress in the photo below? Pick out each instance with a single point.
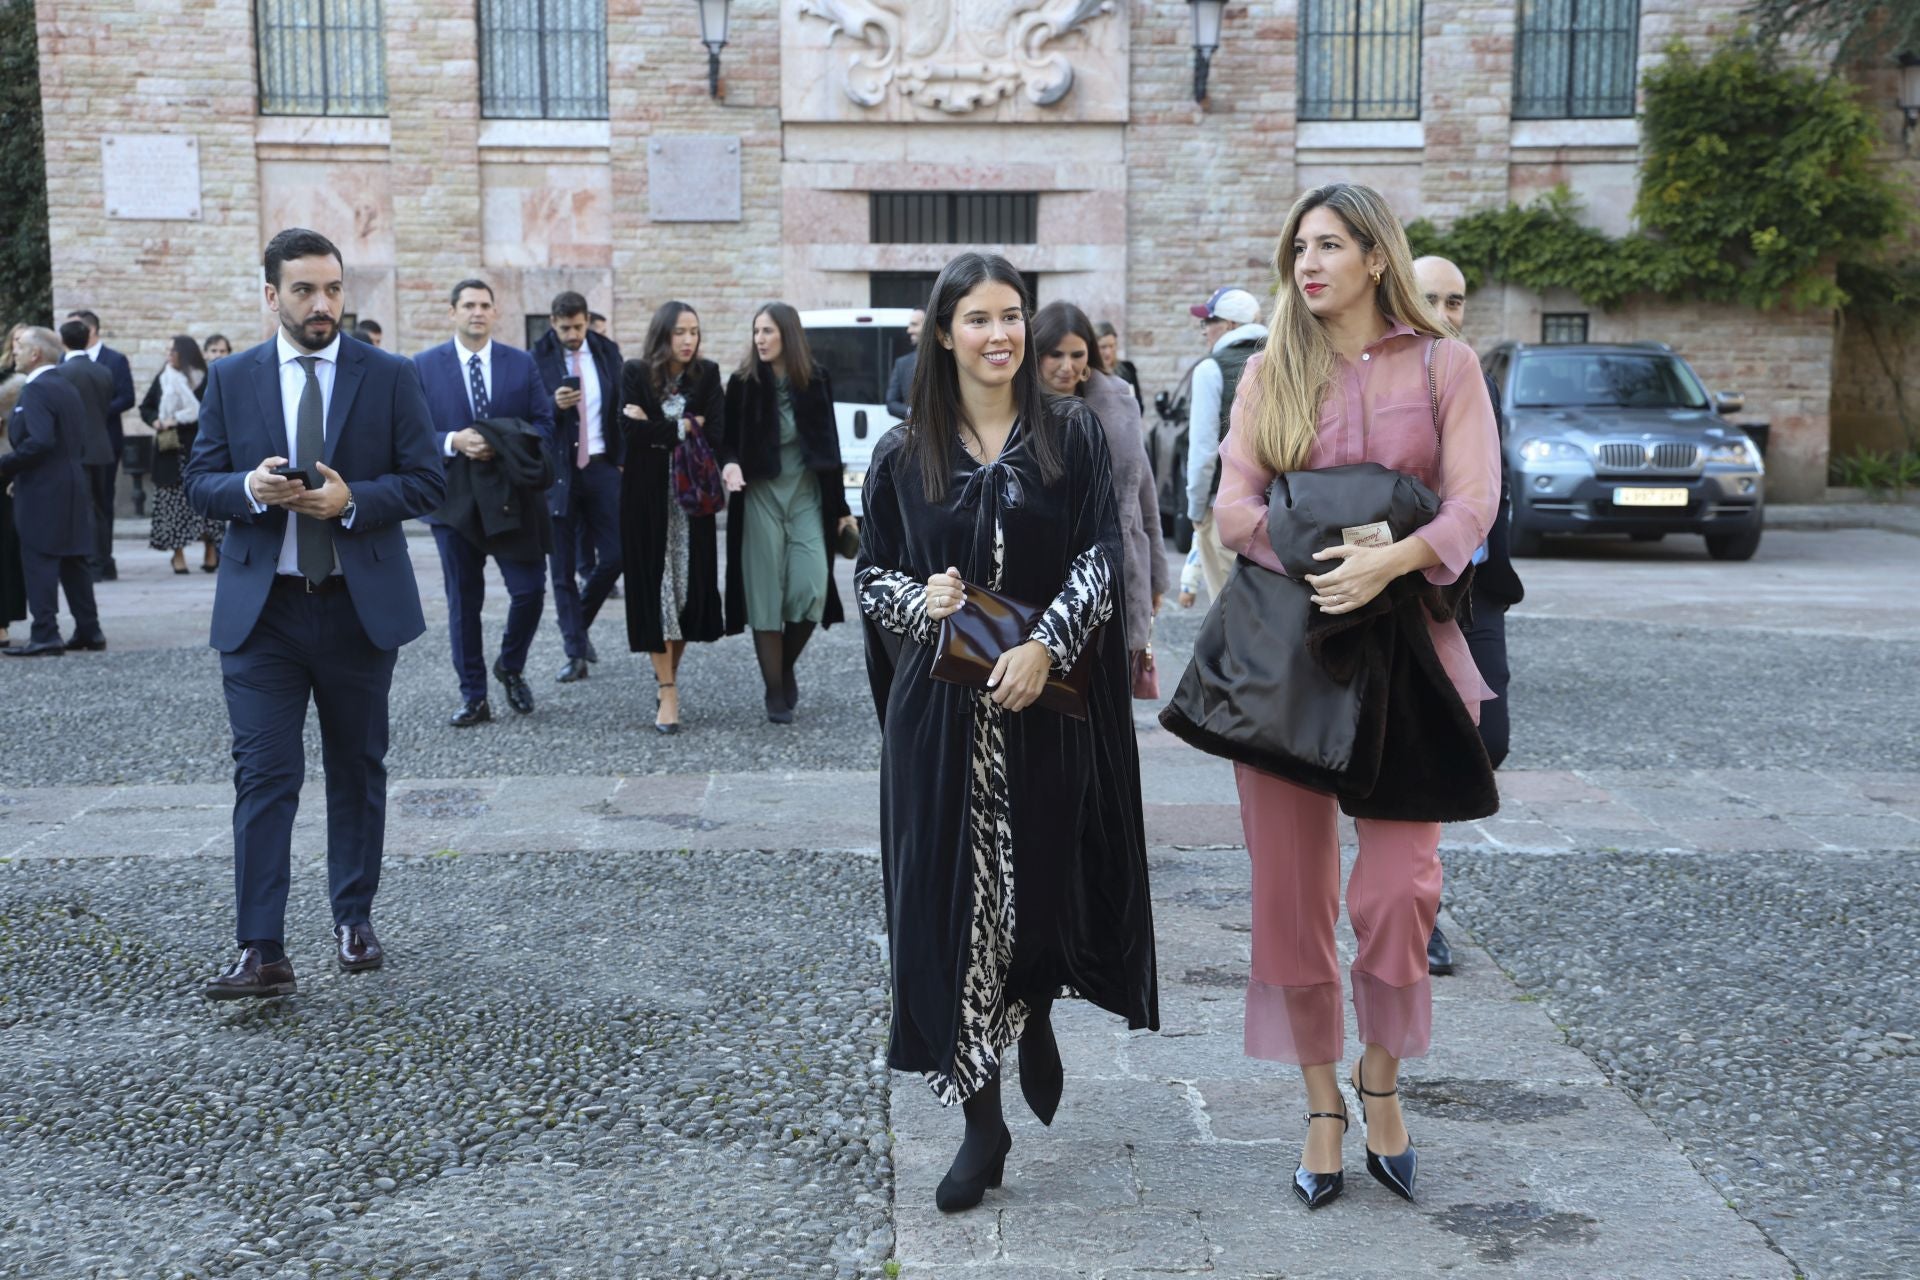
(989, 1021)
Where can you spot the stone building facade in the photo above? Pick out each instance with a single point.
(1143, 200)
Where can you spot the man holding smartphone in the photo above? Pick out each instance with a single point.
(315, 594)
(581, 370)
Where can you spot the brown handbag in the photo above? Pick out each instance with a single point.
(986, 626)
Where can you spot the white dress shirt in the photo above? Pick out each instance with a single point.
(466, 384)
(293, 384)
(589, 397)
(85, 354)
(37, 371)
(93, 352)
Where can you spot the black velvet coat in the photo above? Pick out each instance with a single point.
(643, 510)
(752, 439)
(1083, 918)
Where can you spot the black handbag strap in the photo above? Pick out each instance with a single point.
(1433, 397)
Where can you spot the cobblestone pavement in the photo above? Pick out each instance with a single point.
(1695, 908)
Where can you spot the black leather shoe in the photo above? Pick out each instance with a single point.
(250, 977)
(1395, 1173)
(958, 1192)
(1439, 954)
(778, 712)
(593, 654)
(359, 949)
(96, 645)
(471, 713)
(519, 692)
(1319, 1189)
(35, 649)
(576, 669)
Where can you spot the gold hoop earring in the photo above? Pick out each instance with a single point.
(1376, 278)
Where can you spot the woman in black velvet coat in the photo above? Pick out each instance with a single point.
(672, 560)
(1011, 835)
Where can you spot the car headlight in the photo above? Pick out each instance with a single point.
(854, 479)
(1542, 450)
(1735, 452)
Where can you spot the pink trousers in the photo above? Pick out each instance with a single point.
(1294, 1009)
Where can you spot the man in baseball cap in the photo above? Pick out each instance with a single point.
(1231, 321)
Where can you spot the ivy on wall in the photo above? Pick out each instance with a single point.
(1757, 179)
(26, 273)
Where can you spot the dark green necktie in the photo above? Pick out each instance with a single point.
(313, 537)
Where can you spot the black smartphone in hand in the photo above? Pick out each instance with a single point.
(301, 474)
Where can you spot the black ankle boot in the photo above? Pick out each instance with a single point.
(1042, 1077)
(982, 1160)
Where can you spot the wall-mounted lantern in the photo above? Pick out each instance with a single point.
(1206, 38)
(713, 34)
(1909, 94)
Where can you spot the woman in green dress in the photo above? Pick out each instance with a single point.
(780, 459)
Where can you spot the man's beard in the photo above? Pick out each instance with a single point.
(298, 335)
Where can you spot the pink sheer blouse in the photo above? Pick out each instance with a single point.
(1377, 410)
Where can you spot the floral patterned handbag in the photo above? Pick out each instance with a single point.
(696, 477)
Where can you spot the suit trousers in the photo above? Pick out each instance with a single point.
(1216, 561)
(306, 647)
(464, 567)
(1294, 1009)
(101, 479)
(46, 577)
(1487, 641)
(592, 519)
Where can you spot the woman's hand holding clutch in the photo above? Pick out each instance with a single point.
(1020, 675)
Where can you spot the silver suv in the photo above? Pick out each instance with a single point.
(1623, 438)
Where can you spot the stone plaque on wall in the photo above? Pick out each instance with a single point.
(1004, 61)
(151, 176)
(695, 178)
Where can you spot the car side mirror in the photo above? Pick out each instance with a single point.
(859, 424)
(1729, 402)
(1162, 403)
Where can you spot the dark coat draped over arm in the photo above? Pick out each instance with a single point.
(1083, 916)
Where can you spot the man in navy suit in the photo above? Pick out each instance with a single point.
(52, 503)
(468, 378)
(315, 594)
(581, 370)
(104, 475)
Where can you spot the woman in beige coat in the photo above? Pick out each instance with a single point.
(1068, 352)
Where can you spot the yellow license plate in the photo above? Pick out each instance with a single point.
(1649, 497)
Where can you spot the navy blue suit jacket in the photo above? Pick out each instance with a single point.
(52, 502)
(551, 359)
(379, 438)
(516, 393)
(122, 393)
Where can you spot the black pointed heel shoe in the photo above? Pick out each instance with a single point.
(1042, 1077)
(1395, 1173)
(1319, 1189)
(666, 730)
(957, 1193)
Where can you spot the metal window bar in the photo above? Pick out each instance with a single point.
(1563, 327)
(543, 59)
(953, 217)
(1577, 59)
(321, 57)
(1360, 59)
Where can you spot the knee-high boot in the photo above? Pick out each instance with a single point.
(768, 650)
(793, 640)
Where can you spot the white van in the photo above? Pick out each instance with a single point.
(857, 349)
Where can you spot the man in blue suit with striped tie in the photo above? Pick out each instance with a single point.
(469, 379)
(315, 594)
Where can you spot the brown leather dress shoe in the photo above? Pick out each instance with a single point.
(252, 976)
(359, 949)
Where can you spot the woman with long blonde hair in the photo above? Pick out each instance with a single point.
(1345, 379)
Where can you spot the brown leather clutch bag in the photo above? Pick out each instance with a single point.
(989, 624)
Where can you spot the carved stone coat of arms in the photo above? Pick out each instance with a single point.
(961, 56)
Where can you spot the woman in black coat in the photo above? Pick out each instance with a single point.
(673, 565)
(780, 457)
(1011, 835)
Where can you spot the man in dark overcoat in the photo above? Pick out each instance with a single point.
(52, 501)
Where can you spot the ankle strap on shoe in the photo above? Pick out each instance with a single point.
(1341, 1116)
